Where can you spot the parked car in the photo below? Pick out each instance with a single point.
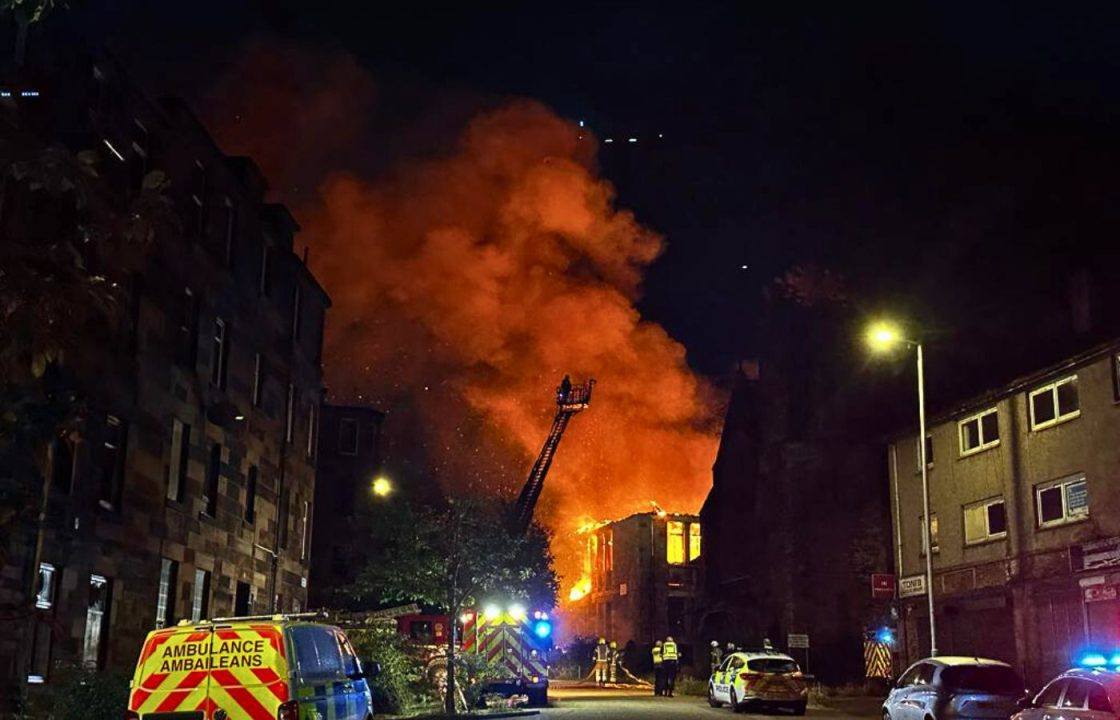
(758, 679)
(250, 667)
(1081, 694)
(948, 688)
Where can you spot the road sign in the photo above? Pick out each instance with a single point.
(797, 640)
(912, 586)
(882, 586)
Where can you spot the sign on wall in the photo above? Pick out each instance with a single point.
(912, 586)
(1095, 555)
(797, 640)
(882, 586)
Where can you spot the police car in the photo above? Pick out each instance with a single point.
(758, 678)
(275, 667)
(1089, 692)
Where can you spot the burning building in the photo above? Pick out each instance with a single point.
(641, 581)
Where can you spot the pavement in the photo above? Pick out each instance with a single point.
(577, 703)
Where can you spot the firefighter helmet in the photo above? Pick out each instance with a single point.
(602, 641)
(614, 645)
(715, 643)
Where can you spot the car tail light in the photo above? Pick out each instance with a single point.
(747, 674)
(288, 710)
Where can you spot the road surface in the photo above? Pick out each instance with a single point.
(595, 704)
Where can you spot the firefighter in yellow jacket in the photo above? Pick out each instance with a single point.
(602, 662)
(670, 662)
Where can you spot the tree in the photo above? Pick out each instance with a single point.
(452, 555)
(28, 12)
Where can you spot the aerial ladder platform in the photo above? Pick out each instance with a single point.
(570, 399)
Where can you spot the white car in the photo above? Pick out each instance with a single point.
(759, 678)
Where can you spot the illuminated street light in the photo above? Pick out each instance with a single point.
(382, 487)
(882, 337)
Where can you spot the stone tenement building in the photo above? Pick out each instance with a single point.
(1026, 520)
(641, 582)
(189, 493)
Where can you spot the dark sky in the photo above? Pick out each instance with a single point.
(954, 160)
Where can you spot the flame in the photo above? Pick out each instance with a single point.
(465, 284)
(579, 590)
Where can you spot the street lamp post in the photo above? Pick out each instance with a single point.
(883, 337)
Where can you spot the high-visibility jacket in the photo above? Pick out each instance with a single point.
(656, 655)
(669, 651)
(602, 653)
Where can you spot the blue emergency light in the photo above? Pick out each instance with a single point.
(1093, 660)
(885, 636)
(542, 629)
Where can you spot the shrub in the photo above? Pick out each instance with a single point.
(80, 694)
(395, 689)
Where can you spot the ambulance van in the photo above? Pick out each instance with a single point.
(260, 668)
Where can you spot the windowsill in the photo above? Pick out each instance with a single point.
(977, 450)
(203, 515)
(1055, 422)
(986, 541)
(1053, 524)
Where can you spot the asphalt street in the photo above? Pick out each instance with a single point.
(595, 704)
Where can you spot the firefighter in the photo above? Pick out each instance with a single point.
(715, 656)
(564, 390)
(670, 660)
(614, 660)
(658, 669)
(602, 661)
(730, 649)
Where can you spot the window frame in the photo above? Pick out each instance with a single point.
(219, 354)
(213, 481)
(290, 415)
(1114, 362)
(165, 595)
(45, 600)
(200, 595)
(923, 529)
(252, 479)
(312, 429)
(1067, 518)
(178, 466)
(1052, 390)
(342, 450)
(97, 642)
(257, 396)
(670, 525)
(979, 418)
(918, 454)
(984, 506)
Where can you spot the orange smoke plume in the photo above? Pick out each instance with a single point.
(466, 285)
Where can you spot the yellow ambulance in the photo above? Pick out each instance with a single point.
(275, 667)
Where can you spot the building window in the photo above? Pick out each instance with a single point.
(304, 540)
(44, 594)
(258, 380)
(979, 432)
(188, 329)
(985, 521)
(198, 198)
(230, 229)
(290, 414)
(297, 297)
(200, 596)
(219, 354)
(213, 471)
(918, 454)
(1062, 501)
(1055, 403)
(693, 541)
(674, 534)
(165, 601)
(312, 428)
(251, 495)
(265, 282)
(62, 464)
(97, 621)
(111, 463)
(1116, 377)
(242, 599)
(348, 436)
(933, 527)
(180, 456)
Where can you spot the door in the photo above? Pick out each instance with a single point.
(1074, 704)
(321, 679)
(1047, 705)
(171, 676)
(732, 673)
(914, 693)
(354, 685)
(719, 687)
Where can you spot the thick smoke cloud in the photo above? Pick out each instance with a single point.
(466, 284)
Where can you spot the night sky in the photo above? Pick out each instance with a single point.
(946, 158)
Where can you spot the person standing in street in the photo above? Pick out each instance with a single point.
(670, 662)
(658, 669)
(602, 659)
(715, 657)
(613, 659)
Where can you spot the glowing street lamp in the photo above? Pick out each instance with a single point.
(382, 487)
(883, 336)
